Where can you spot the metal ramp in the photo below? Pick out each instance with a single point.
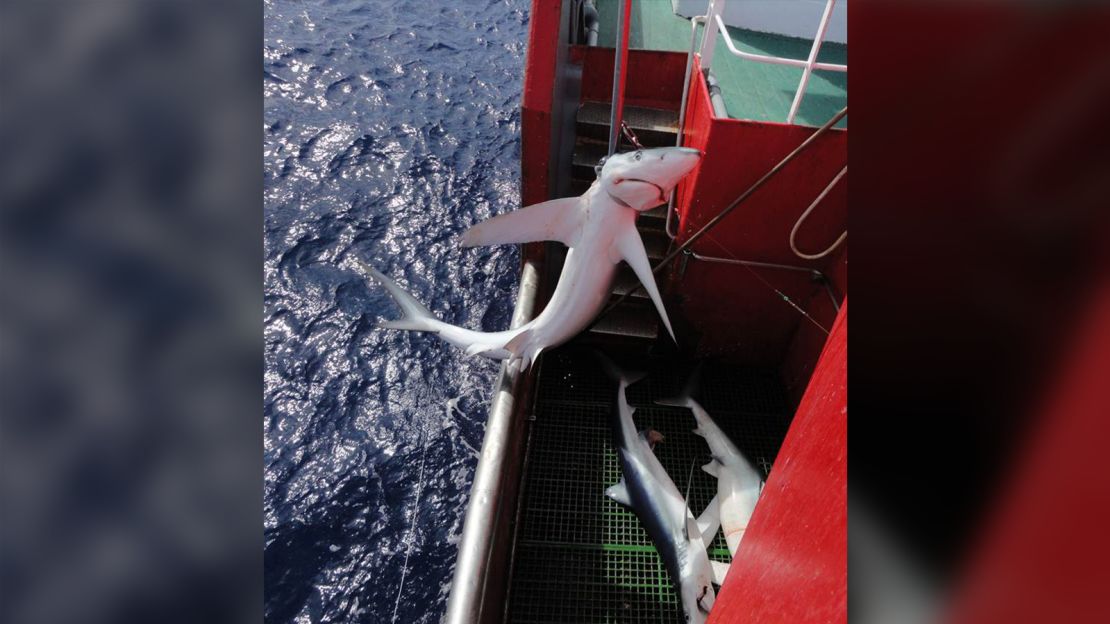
(580, 557)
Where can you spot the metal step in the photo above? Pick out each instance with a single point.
(626, 281)
(654, 219)
(659, 212)
(633, 319)
(587, 153)
(655, 243)
(579, 186)
(652, 126)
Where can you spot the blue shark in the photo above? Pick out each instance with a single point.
(647, 489)
(739, 483)
(598, 227)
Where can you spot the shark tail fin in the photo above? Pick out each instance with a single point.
(519, 349)
(618, 374)
(415, 317)
(686, 397)
(516, 346)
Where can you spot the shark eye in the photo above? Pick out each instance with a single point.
(599, 165)
(639, 155)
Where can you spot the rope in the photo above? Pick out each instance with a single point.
(781, 294)
(631, 136)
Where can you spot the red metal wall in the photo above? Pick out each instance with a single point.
(744, 317)
(792, 565)
(654, 77)
(535, 109)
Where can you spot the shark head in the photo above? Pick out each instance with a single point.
(696, 587)
(643, 179)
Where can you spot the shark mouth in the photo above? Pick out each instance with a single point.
(662, 193)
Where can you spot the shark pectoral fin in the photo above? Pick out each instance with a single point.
(556, 220)
(630, 248)
(720, 571)
(709, 521)
(713, 468)
(619, 493)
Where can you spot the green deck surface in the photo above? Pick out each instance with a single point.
(751, 90)
(580, 557)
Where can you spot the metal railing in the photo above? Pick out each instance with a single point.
(621, 56)
(714, 24)
(694, 21)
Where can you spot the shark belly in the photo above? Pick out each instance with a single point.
(584, 287)
(737, 498)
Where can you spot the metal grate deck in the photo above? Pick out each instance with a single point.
(581, 557)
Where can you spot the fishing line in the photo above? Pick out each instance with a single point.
(784, 296)
(415, 515)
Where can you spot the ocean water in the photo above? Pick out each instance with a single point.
(390, 127)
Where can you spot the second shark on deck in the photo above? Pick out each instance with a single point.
(738, 482)
(648, 490)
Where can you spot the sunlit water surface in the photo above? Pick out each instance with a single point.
(390, 127)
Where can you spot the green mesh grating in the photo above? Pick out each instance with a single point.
(580, 557)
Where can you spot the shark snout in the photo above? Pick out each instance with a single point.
(679, 153)
(675, 163)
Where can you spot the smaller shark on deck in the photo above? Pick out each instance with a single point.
(598, 227)
(648, 490)
(738, 482)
